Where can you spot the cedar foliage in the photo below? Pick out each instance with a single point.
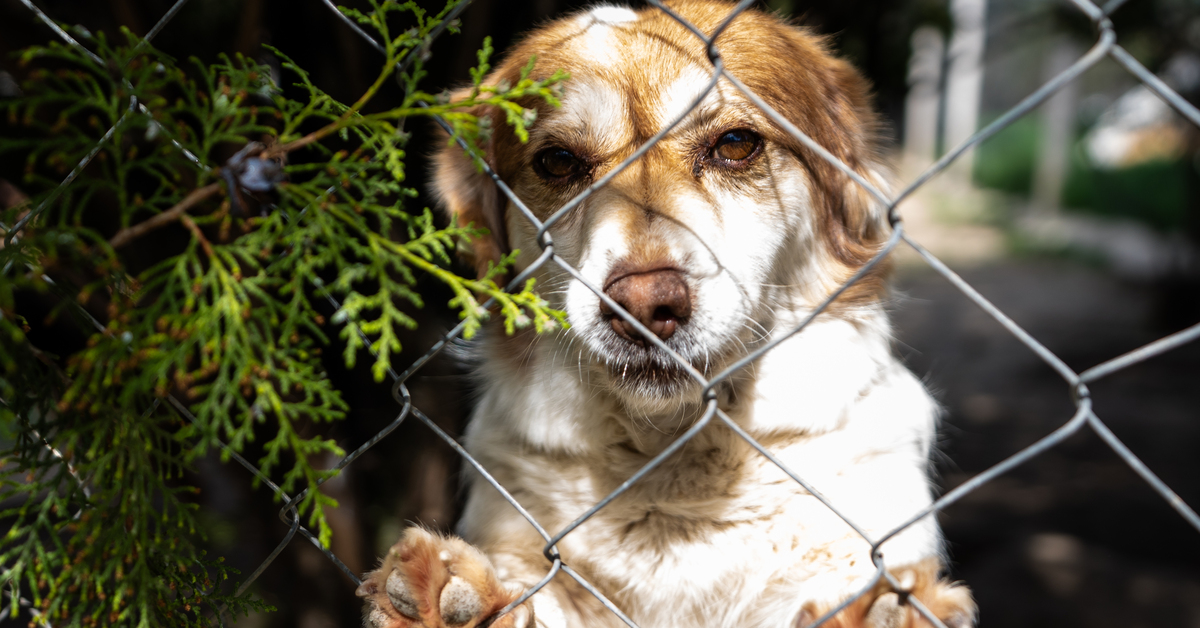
(218, 339)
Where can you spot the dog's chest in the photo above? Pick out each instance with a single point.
(715, 516)
(727, 531)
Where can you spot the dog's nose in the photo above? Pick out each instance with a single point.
(658, 299)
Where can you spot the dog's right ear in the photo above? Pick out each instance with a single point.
(471, 197)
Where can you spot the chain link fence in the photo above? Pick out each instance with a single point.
(1075, 384)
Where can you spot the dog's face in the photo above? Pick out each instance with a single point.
(725, 228)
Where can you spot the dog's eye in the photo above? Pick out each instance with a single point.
(559, 163)
(736, 146)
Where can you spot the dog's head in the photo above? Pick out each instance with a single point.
(723, 230)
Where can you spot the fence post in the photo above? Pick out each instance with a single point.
(964, 81)
(1057, 129)
(922, 106)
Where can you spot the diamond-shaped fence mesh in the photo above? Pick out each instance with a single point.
(1075, 385)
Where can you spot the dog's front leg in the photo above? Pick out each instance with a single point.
(430, 581)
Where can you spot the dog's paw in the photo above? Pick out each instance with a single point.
(885, 607)
(430, 581)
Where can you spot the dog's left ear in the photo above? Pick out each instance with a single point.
(858, 221)
(471, 197)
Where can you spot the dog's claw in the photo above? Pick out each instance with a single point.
(429, 581)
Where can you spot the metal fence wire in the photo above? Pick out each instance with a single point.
(1076, 384)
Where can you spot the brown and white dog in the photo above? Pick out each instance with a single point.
(726, 234)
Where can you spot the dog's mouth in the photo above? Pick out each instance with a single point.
(653, 372)
(644, 369)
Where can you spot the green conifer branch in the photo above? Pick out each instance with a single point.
(104, 528)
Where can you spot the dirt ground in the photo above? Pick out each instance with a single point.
(1074, 537)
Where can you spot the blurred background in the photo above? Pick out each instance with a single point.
(1080, 221)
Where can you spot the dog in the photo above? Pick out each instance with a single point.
(725, 235)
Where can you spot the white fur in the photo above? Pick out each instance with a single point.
(590, 107)
(596, 36)
(610, 14)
